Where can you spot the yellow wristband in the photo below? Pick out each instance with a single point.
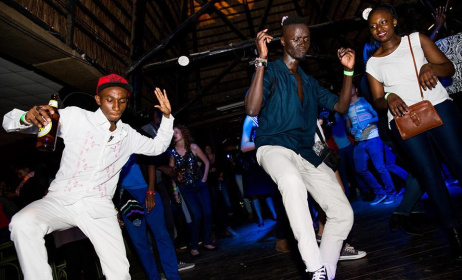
(348, 73)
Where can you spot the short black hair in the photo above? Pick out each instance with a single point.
(293, 20)
(384, 7)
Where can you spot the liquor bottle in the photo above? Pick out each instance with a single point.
(46, 137)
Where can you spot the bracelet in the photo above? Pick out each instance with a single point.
(23, 119)
(386, 95)
(348, 73)
(261, 59)
(259, 63)
(151, 192)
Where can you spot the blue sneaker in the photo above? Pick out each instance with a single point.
(390, 199)
(378, 199)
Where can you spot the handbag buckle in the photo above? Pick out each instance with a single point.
(415, 119)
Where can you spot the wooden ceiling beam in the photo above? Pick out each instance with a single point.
(225, 19)
(108, 13)
(103, 26)
(248, 16)
(297, 7)
(203, 91)
(167, 41)
(269, 4)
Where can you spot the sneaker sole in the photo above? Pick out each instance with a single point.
(186, 267)
(378, 201)
(353, 257)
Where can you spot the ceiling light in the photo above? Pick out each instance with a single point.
(183, 60)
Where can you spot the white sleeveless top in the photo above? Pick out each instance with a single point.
(397, 74)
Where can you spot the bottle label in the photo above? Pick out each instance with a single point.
(53, 103)
(44, 130)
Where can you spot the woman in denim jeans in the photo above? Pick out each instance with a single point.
(192, 184)
(395, 86)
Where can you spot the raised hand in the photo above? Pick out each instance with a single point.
(164, 103)
(40, 115)
(440, 18)
(260, 41)
(347, 57)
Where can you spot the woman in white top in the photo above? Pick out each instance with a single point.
(394, 86)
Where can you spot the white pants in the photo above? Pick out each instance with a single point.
(294, 177)
(31, 224)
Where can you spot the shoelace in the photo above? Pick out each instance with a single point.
(320, 274)
(349, 248)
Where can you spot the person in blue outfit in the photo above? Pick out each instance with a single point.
(132, 180)
(361, 121)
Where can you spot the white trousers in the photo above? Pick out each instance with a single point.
(294, 177)
(32, 223)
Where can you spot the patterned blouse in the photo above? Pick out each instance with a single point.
(188, 172)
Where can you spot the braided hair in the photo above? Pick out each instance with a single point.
(384, 7)
(388, 9)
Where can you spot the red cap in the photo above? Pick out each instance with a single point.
(113, 80)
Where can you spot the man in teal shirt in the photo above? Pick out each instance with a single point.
(286, 100)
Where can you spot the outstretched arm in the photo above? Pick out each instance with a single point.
(347, 58)
(254, 97)
(27, 122)
(164, 103)
(440, 18)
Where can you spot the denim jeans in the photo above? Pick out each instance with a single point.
(346, 154)
(390, 162)
(422, 151)
(373, 149)
(156, 222)
(411, 202)
(197, 198)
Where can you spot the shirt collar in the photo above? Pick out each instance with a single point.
(99, 117)
(281, 66)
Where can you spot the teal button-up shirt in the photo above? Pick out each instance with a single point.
(283, 120)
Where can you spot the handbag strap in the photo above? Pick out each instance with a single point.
(415, 66)
(320, 135)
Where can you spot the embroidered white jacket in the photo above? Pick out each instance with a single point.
(93, 156)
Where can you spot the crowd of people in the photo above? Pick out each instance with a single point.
(170, 195)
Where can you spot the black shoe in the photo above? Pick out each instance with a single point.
(425, 223)
(455, 240)
(405, 223)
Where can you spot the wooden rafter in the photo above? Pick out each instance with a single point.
(297, 8)
(166, 42)
(103, 26)
(269, 4)
(110, 15)
(225, 19)
(248, 16)
(203, 91)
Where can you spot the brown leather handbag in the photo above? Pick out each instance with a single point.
(421, 116)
